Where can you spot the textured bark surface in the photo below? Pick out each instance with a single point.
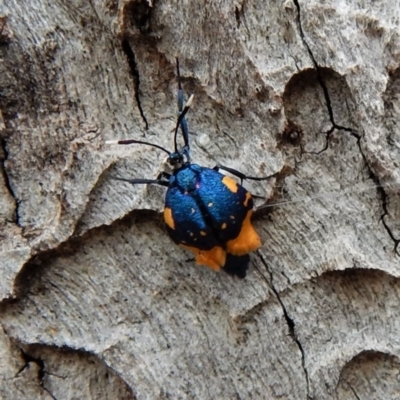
(97, 302)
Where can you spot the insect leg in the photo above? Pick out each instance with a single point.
(241, 175)
(237, 265)
(164, 175)
(143, 181)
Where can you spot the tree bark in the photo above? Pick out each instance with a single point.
(97, 302)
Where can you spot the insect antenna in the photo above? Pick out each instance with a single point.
(184, 127)
(180, 118)
(182, 112)
(133, 141)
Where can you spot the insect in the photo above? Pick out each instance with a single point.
(205, 212)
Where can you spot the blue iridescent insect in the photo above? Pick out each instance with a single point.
(205, 211)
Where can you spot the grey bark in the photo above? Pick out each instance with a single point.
(97, 302)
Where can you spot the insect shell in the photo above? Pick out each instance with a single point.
(205, 211)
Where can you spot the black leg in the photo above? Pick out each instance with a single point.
(143, 181)
(164, 175)
(237, 265)
(255, 196)
(241, 175)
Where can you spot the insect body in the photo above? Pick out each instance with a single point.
(205, 211)
(209, 214)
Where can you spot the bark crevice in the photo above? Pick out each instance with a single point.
(289, 320)
(384, 198)
(352, 132)
(8, 183)
(319, 74)
(130, 55)
(42, 370)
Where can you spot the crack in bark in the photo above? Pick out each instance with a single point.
(344, 128)
(130, 55)
(42, 372)
(381, 191)
(240, 16)
(354, 392)
(290, 322)
(8, 183)
(385, 213)
(321, 83)
(319, 74)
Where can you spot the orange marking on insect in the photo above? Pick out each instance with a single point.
(247, 240)
(230, 184)
(169, 220)
(224, 225)
(214, 258)
(248, 198)
(202, 233)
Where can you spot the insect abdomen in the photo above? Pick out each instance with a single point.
(210, 215)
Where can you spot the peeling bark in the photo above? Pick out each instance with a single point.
(97, 302)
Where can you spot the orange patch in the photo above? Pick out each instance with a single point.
(248, 198)
(202, 233)
(214, 258)
(248, 239)
(169, 220)
(230, 184)
(223, 226)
